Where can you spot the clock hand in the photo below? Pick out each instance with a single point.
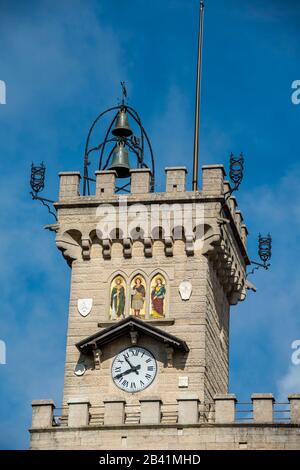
(128, 362)
(133, 369)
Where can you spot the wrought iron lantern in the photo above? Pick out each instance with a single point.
(37, 184)
(264, 253)
(236, 174)
(236, 171)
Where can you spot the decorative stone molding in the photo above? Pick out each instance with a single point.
(97, 353)
(225, 263)
(127, 247)
(148, 247)
(134, 337)
(169, 243)
(169, 356)
(70, 248)
(86, 248)
(189, 245)
(106, 244)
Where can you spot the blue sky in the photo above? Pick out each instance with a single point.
(62, 62)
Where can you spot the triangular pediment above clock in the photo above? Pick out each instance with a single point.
(129, 326)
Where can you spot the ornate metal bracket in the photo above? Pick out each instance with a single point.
(37, 184)
(236, 174)
(264, 253)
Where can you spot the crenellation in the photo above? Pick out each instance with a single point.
(105, 183)
(263, 407)
(175, 179)
(213, 179)
(69, 185)
(42, 414)
(294, 401)
(140, 180)
(213, 426)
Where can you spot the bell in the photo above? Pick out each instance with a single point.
(122, 128)
(120, 162)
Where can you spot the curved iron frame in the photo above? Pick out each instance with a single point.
(37, 184)
(264, 252)
(137, 149)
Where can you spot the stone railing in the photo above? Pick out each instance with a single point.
(114, 412)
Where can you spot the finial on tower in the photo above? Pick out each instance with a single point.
(124, 92)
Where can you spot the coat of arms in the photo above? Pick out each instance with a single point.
(84, 306)
(185, 290)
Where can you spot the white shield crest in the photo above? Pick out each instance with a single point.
(84, 306)
(185, 290)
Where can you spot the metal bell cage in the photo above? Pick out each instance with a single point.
(120, 137)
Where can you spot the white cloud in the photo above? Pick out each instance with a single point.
(289, 383)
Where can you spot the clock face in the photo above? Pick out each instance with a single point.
(134, 369)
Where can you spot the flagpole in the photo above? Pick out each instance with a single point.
(198, 99)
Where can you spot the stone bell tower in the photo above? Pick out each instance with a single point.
(153, 278)
(198, 270)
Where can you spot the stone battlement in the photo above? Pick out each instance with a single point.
(214, 187)
(222, 424)
(225, 409)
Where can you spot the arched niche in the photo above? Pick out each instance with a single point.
(158, 296)
(118, 293)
